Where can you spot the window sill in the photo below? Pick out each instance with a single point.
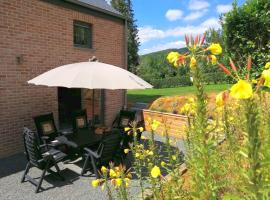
(84, 48)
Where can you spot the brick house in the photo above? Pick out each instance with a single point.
(38, 35)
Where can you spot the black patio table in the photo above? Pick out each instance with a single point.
(84, 138)
(80, 139)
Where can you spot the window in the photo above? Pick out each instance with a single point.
(82, 34)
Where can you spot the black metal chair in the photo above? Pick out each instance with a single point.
(79, 120)
(123, 119)
(106, 152)
(46, 128)
(41, 157)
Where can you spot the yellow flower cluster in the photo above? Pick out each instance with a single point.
(117, 176)
(189, 107)
(195, 46)
(129, 130)
(154, 125)
(142, 153)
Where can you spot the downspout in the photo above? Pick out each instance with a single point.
(125, 61)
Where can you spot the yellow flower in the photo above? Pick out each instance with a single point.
(118, 182)
(112, 173)
(150, 153)
(155, 172)
(126, 151)
(162, 163)
(174, 157)
(126, 129)
(241, 90)
(95, 183)
(173, 58)
(155, 125)
(267, 65)
(221, 98)
(137, 155)
(127, 182)
(266, 76)
(215, 48)
(193, 62)
(104, 169)
(143, 138)
(140, 129)
(213, 59)
(254, 81)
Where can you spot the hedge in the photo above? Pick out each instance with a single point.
(209, 78)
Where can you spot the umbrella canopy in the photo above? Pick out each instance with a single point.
(90, 75)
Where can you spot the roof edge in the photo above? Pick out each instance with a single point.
(96, 8)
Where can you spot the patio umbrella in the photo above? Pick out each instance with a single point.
(90, 75)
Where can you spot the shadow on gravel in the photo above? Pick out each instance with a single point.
(12, 164)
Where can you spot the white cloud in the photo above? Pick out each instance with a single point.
(160, 47)
(174, 14)
(211, 23)
(198, 4)
(223, 8)
(149, 33)
(195, 15)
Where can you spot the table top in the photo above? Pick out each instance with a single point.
(84, 137)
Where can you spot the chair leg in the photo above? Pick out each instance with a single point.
(58, 172)
(42, 177)
(93, 161)
(25, 171)
(85, 165)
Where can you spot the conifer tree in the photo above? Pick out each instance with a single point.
(125, 8)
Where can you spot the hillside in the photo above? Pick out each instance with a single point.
(155, 66)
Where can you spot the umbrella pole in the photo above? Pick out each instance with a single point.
(93, 106)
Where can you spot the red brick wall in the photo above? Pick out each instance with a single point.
(42, 34)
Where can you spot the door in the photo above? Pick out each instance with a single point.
(69, 100)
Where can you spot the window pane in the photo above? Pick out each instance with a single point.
(82, 34)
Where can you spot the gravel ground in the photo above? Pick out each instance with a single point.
(74, 187)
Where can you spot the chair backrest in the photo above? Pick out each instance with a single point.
(124, 119)
(46, 126)
(79, 120)
(31, 146)
(111, 143)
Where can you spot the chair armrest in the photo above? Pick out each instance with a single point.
(45, 138)
(93, 153)
(65, 132)
(46, 156)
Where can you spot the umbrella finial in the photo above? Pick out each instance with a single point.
(93, 59)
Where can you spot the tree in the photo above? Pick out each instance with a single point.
(246, 32)
(125, 7)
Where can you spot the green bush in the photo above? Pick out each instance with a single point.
(246, 32)
(208, 78)
(171, 82)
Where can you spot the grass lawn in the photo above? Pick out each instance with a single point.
(149, 95)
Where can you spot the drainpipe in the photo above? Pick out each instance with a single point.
(125, 62)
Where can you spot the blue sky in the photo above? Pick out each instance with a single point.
(163, 23)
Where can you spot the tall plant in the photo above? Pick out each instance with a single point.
(202, 156)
